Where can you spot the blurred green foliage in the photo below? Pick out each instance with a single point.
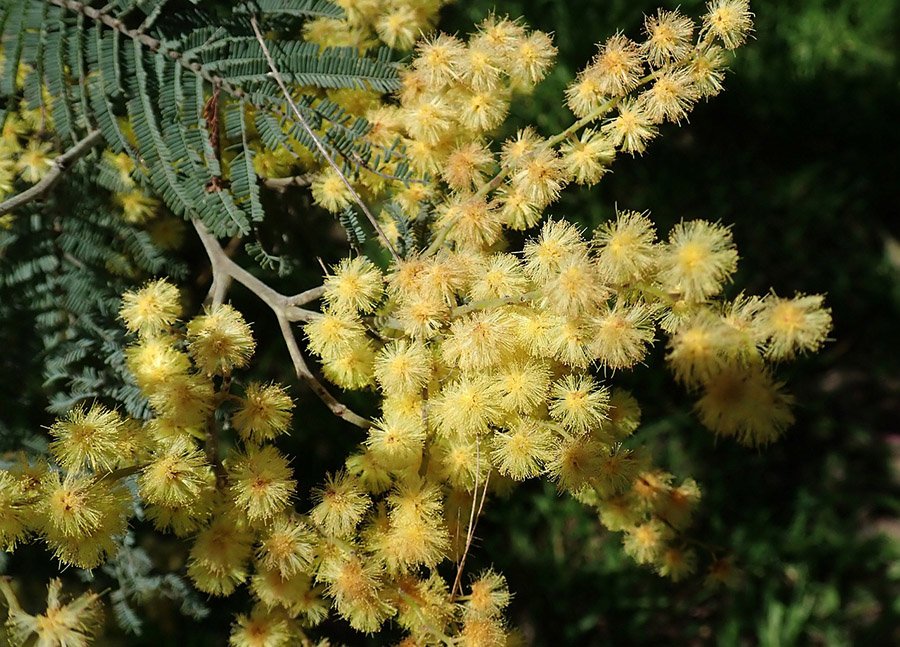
(799, 156)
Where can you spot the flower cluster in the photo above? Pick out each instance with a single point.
(490, 366)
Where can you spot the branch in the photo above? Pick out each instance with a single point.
(281, 184)
(486, 304)
(122, 472)
(60, 165)
(307, 297)
(318, 142)
(303, 372)
(225, 269)
(470, 533)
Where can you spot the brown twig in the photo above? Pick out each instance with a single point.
(302, 370)
(317, 140)
(308, 296)
(122, 472)
(60, 165)
(281, 184)
(224, 268)
(473, 522)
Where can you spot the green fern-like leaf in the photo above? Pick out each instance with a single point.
(166, 76)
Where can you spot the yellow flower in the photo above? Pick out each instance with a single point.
(747, 404)
(501, 276)
(35, 161)
(219, 556)
(570, 340)
(287, 546)
(152, 309)
(220, 340)
(481, 66)
(295, 594)
(646, 542)
(731, 21)
(176, 478)
(576, 288)
(794, 325)
(429, 119)
(467, 406)
(557, 243)
(482, 111)
(79, 518)
(438, 59)
(521, 452)
(531, 60)
(423, 605)
(13, 512)
(632, 128)
(356, 285)
(677, 563)
(697, 259)
(340, 505)
(137, 207)
(588, 158)
(73, 624)
(465, 166)
(330, 191)
(123, 163)
(185, 398)
(356, 587)
(472, 222)
(7, 178)
(403, 367)
(622, 334)
(578, 403)
(397, 441)
(523, 386)
(541, 176)
(671, 96)
(624, 414)
(585, 94)
(575, 462)
(701, 348)
(261, 483)
(618, 65)
(488, 596)
(263, 413)
(89, 438)
(399, 27)
(416, 533)
(669, 36)
(334, 334)
(708, 70)
(626, 248)
(354, 368)
(262, 628)
(479, 340)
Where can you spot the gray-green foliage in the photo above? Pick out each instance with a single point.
(63, 266)
(142, 72)
(159, 68)
(138, 585)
